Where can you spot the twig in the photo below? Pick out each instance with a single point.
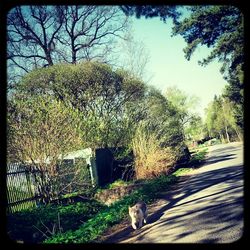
(47, 228)
(53, 229)
(41, 231)
(59, 224)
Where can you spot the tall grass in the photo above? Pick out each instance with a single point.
(151, 160)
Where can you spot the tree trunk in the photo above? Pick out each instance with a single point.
(48, 57)
(228, 139)
(73, 55)
(221, 138)
(238, 133)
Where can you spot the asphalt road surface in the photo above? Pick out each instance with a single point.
(206, 207)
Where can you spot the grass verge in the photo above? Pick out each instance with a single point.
(42, 221)
(198, 157)
(95, 226)
(196, 160)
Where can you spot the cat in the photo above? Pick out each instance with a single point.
(138, 213)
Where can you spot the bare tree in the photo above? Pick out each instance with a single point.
(31, 35)
(135, 57)
(89, 32)
(39, 36)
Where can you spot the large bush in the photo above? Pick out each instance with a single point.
(99, 92)
(40, 131)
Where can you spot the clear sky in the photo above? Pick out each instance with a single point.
(170, 68)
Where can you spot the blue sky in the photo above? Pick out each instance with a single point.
(170, 68)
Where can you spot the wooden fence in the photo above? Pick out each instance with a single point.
(21, 191)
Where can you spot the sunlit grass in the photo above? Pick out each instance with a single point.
(182, 171)
(94, 227)
(196, 160)
(198, 157)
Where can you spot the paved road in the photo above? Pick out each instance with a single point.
(205, 208)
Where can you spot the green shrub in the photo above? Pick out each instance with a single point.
(118, 183)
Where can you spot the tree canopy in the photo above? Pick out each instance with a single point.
(149, 11)
(220, 28)
(220, 120)
(95, 89)
(111, 103)
(183, 103)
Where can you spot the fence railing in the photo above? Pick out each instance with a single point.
(24, 191)
(25, 184)
(20, 188)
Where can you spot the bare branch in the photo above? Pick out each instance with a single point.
(23, 68)
(62, 33)
(44, 234)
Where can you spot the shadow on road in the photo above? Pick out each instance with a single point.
(212, 160)
(230, 213)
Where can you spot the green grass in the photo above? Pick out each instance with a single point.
(24, 224)
(196, 160)
(115, 184)
(118, 183)
(95, 226)
(182, 171)
(198, 157)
